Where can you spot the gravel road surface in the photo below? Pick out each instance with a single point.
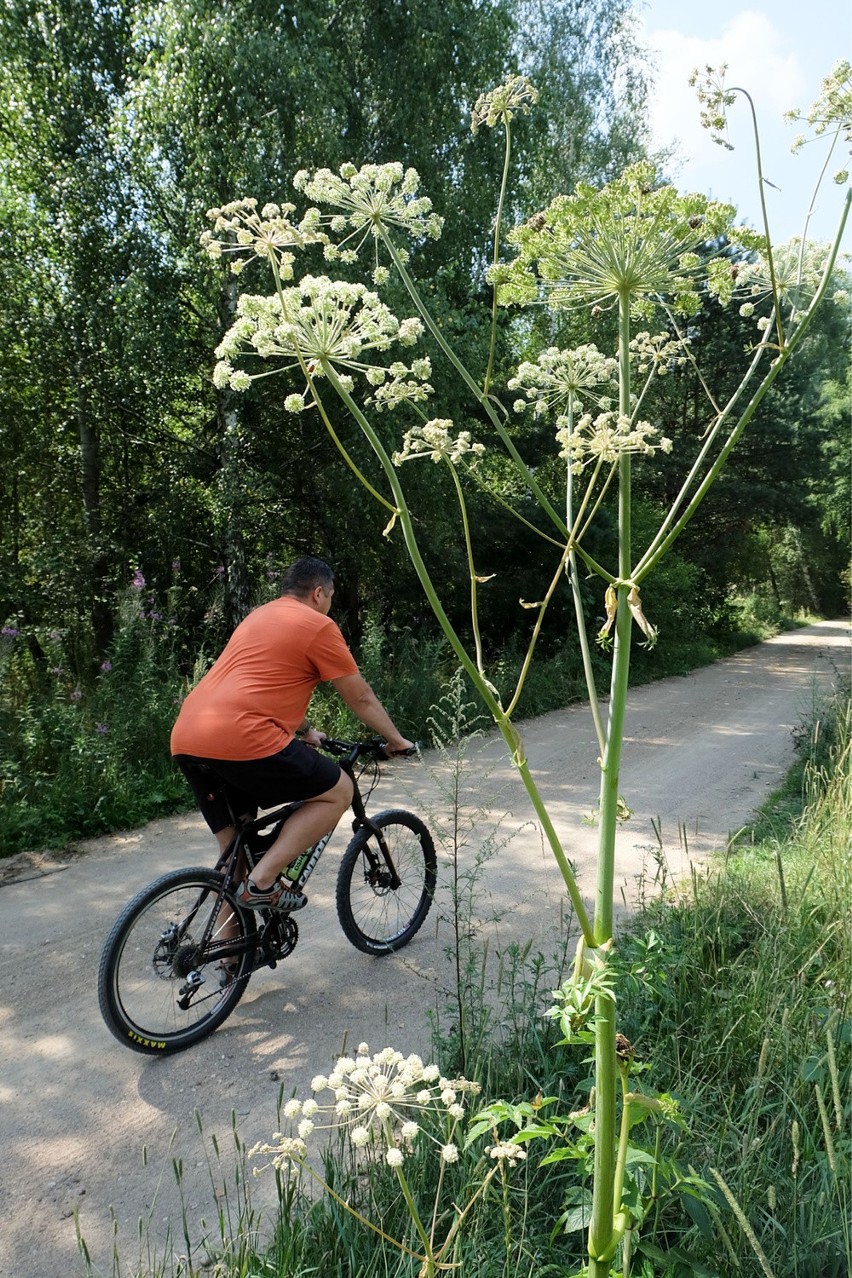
(77, 1109)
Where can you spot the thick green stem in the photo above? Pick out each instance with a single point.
(607, 1223)
(624, 1137)
(471, 568)
(602, 1226)
(486, 385)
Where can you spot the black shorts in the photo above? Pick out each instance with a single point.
(296, 772)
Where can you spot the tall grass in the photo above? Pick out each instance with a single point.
(85, 751)
(752, 1027)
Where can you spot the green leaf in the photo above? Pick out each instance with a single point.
(578, 1212)
(636, 1155)
(698, 1213)
(560, 1155)
(677, 1257)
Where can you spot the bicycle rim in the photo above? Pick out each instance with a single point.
(375, 916)
(159, 990)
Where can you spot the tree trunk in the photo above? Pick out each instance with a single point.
(237, 590)
(95, 558)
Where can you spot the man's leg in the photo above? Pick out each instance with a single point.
(314, 819)
(223, 838)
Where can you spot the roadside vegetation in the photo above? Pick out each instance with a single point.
(736, 1002)
(82, 757)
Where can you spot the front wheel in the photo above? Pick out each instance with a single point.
(380, 909)
(176, 962)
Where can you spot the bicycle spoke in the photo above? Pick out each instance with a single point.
(162, 983)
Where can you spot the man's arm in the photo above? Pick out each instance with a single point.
(363, 702)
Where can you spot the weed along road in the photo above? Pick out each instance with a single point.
(77, 1110)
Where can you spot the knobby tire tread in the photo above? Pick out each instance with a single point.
(350, 868)
(117, 1019)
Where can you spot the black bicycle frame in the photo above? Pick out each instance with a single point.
(244, 827)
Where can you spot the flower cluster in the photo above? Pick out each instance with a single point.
(382, 1100)
(369, 201)
(631, 241)
(434, 440)
(241, 233)
(560, 381)
(714, 99)
(832, 109)
(401, 385)
(504, 1151)
(516, 94)
(606, 438)
(319, 324)
(658, 354)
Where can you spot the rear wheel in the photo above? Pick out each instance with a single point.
(377, 916)
(176, 962)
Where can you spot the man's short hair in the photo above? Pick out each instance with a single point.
(303, 576)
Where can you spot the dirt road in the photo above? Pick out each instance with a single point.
(76, 1108)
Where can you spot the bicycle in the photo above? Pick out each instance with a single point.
(180, 955)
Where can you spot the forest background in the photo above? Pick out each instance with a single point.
(146, 511)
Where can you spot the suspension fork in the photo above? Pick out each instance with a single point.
(363, 822)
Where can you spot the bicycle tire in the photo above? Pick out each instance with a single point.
(375, 917)
(146, 963)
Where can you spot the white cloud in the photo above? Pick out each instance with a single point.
(755, 53)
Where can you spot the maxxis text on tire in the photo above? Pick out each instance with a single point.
(152, 951)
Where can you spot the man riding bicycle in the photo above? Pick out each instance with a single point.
(242, 736)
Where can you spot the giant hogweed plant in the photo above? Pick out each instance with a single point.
(635, 250)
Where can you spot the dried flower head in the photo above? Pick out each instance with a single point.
(514, 95)
(433, 440)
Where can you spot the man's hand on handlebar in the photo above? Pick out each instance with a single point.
(313, 737)
(399, 746)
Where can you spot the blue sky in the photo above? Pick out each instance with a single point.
(780, 52)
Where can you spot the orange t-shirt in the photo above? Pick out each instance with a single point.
(252, 700)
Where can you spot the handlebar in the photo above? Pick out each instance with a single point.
(375, 749)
